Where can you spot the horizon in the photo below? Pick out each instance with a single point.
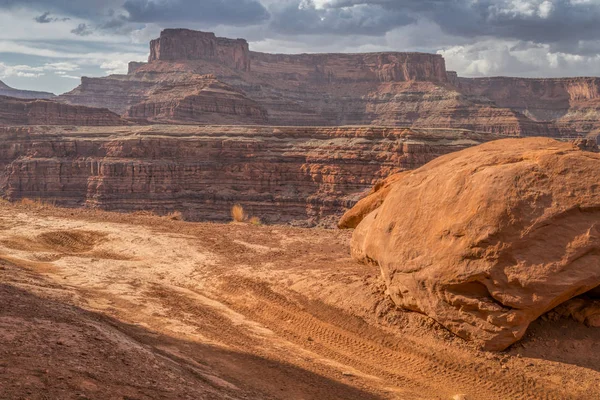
(49, 45)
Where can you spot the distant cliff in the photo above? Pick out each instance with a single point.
(6, 90)
(15, 111)
(389, 89)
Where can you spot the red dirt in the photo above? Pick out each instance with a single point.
(156, 308)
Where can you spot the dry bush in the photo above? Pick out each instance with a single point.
(144, 213)
(175, 216)
(37, 203)
(238, 214)
(255, 221)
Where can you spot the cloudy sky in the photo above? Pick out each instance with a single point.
(49, 44)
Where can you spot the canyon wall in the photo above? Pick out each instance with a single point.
(346, 68)
(15, 111)
(380, 89)
(303, 175)
(573, 104)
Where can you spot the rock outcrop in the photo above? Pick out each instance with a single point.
(170, 97)
(346, 68)
(572, 103)
(487, 239)
(380, 89)
(46, 112)
(6, 90)
(303, 175)
(185, 44)
(199, 99)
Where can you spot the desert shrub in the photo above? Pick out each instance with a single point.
(255, 221)
(175, 216)
(37, 203)
(238, 214)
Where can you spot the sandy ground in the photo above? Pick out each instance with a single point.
(99, 305)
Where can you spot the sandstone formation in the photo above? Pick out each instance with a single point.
(487, 239)
(371, 202)
(199, 99)
(303, 175)
(15, 111)
(172, 97)
(572, 103)
(6, 90)
(185, 44)
(381, 89)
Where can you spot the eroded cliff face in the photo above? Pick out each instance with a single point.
(302, 175)
(185, 44)
(395, 89)
(573, 104)
(345, 68)
(199, 99)
(15, 111)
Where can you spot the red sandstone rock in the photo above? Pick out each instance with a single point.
(572, 103)
(487, 239)
(185, 44)
(389, 89)
(307, 175)
(371, 202)
(201, 99)
(45, 112)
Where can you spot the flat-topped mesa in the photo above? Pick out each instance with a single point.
(185, 44)
(360, 67)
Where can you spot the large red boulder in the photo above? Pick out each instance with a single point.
(487, 239)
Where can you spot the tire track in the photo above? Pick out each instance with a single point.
(431, 371)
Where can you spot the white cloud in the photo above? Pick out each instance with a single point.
(115, 67)
(517, 58)
(28, 71)
(545, 9)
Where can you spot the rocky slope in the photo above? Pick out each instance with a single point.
(281, 175)
(385, 89)
(15, 111)
(572, 103)
(488, 239)
(6, 90)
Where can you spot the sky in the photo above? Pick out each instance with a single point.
(49, 44)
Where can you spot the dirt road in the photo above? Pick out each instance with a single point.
(99, 305)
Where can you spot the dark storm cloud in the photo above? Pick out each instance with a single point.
(542, 21)
(46, 19)
(210, 12)
(82, 30)
(74, 8)
(563, 24)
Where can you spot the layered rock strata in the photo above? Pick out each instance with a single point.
(573, 104)
(388, 89)
(304, 175)
(46, 112)
(185, 44)
(487, 239)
